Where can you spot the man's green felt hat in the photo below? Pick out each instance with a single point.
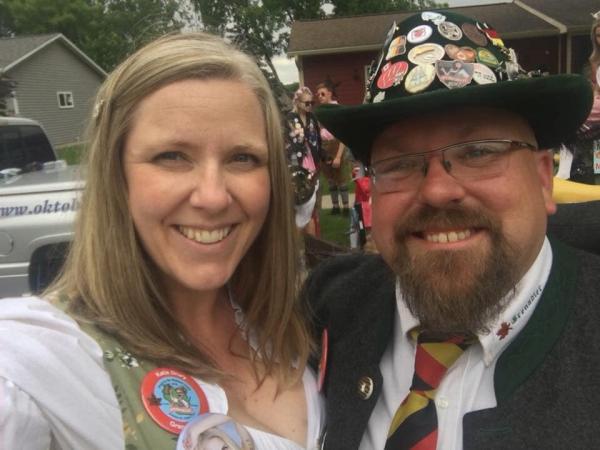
(439, 61)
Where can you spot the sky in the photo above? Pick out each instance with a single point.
(288, 73)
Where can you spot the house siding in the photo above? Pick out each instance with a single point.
(345, 69)
(56, 69)
(537, 53)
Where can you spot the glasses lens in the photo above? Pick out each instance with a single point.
(397, 174)
(308, 103)
(477, 160)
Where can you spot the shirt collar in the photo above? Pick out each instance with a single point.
(513, 318)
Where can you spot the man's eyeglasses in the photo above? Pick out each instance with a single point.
(307, 104)
(475, 160)
(321, 94)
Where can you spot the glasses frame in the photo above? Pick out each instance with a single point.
(514, 146)
(308, 103)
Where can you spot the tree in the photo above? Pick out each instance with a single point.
(262, 27)
(354, 7)
(257, 27)
(106, 30)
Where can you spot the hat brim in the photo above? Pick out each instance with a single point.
(554, 106)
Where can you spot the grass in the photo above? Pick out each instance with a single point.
(347, 171)
(334, 228)
(70, 153)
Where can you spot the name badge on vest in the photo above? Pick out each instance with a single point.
(172, 398)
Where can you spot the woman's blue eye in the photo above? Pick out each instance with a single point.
(170, 156)
(246, 158)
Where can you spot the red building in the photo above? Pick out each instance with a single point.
(551, 35)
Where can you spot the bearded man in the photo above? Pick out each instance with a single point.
(470, 329)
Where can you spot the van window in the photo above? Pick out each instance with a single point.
(22, 145)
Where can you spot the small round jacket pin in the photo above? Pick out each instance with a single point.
(365, 387)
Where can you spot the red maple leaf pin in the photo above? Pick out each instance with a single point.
(504, 329)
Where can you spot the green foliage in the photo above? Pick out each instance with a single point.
(354, 7)
(261, 27)
(291, 88)
(71, 153)
(257, 27)
(107, 31)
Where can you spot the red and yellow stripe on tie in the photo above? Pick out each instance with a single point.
(414, 425)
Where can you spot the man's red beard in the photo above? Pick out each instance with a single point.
(455, 291)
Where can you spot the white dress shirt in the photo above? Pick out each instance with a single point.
(469, 384)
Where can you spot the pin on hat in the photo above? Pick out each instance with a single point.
(464, 54)
(397, 47)
(475, 69)
(392, 74)
(427, 53)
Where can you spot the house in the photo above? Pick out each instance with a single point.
(56, 83)
(550, 35)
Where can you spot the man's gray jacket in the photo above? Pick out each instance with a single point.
(547, 382)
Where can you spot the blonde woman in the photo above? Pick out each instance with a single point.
(179, 290)
(303, 148)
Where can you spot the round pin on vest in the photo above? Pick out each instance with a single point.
(172, 398)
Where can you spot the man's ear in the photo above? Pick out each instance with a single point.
(545, 169)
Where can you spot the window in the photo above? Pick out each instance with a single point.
(22, 145)
(65, 99)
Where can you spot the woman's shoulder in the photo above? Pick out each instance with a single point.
(46, 355)
(36, 335)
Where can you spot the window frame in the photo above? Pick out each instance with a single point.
(68, 100)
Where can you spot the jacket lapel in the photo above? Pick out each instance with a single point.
(362, 337)
(529, 349)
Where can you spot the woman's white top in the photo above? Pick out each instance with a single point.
(55, 393)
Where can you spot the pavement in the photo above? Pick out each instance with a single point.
(326, 201)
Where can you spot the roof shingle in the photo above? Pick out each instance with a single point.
(367, 32)
(14, 48)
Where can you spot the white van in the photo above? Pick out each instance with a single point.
(38, 203)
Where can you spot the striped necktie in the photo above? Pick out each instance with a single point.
(414, 425)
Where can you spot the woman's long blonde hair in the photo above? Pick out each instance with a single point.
(110, 280)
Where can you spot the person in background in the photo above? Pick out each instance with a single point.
(580, 159)
(179, 291)
(594, 117)
(471, 329)
(303, 147)
(333, 154)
